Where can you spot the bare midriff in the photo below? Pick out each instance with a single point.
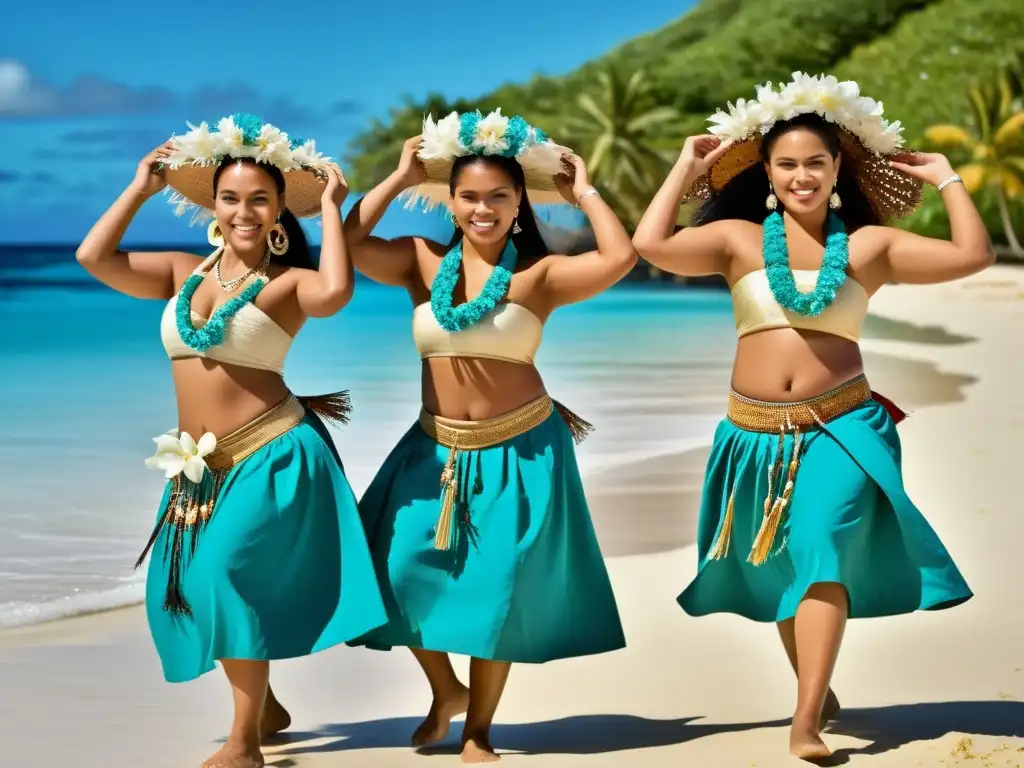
(786, 364)
(219, 397)
(475, 388)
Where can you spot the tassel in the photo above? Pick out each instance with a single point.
(765, 539)
(896, 413)
(721, 547)
(335, 407)
(449, 497)
(578, 427)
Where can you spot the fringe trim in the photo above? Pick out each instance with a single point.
(764, 542)
(449, 497)
(578, 426)
(721, 547)
(335, 407)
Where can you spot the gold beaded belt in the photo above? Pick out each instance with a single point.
(461, 436)
(760, 416)
(780, 418)
(190, 505)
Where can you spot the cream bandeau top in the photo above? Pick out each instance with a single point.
(508, 332)
(756, 309)
(251, 339)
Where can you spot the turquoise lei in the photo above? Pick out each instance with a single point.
(212, 333)
(468, 314)
(831, 276)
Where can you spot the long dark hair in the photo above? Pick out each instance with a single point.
(529, 244)
(743, 197)
(298, 254)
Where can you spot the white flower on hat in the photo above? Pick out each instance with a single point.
(273, 147)
(306, 156)
(441, 138)
(230, 137)
(198, 146)
(835, 101)
(490, 133)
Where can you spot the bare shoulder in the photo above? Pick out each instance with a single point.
(873, 240)
(183, 264)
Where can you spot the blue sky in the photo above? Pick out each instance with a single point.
(84, 96)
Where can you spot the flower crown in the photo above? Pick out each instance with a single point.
(242, 135)
(472, 133)
(835, 101)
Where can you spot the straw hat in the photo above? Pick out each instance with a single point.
(866, 139)
(190, 168)
(472, 133)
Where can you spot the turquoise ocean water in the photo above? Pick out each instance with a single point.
(85, 385)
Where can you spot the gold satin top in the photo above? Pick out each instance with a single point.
(251, 339)
(756, 309)
(508, 332)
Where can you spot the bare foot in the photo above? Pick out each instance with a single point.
(476, 749)
(807, 745)
(275, 718)
(830, 709)
(232, 756)
(437, 722)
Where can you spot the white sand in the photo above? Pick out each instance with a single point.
(935, 689)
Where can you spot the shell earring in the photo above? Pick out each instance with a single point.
(516, 229)
(771, 202)
(834, 201)
(277, 240)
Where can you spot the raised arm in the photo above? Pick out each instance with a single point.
(324, 292)
(692, 251)
(386, 261)
(143, 275)
(912, 258)
(569, 279)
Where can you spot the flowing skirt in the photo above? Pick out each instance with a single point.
(522, 580)
(281, 569)
(848, 521)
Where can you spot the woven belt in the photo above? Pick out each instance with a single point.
(239, 445)
(474, 436)
(760, 416)
(190, 505)
(780, 418)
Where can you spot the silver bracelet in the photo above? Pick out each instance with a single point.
(587, 193)
(951, 180)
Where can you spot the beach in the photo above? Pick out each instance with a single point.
(928, 689)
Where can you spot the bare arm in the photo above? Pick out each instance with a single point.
(568, 279)
(390, 262)
(323, 293)
(143, 275)
(912, 258)
(692, 251)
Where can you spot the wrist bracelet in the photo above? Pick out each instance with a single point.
(951, 180)
(587, 193)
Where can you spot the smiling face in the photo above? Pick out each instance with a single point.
(247, 205)
(802, 170)
(485, 202)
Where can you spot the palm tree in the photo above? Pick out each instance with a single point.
(995, 143)
(622, 132)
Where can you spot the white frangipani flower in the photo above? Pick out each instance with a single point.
(176, 454)
(490, 133)
(441, 138)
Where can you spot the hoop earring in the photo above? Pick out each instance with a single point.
(834, 200)
(213, 234)
(277, 240)
(771, 202)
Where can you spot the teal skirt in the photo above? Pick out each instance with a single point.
(280, 570)
(849, 522)
(524, 579)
